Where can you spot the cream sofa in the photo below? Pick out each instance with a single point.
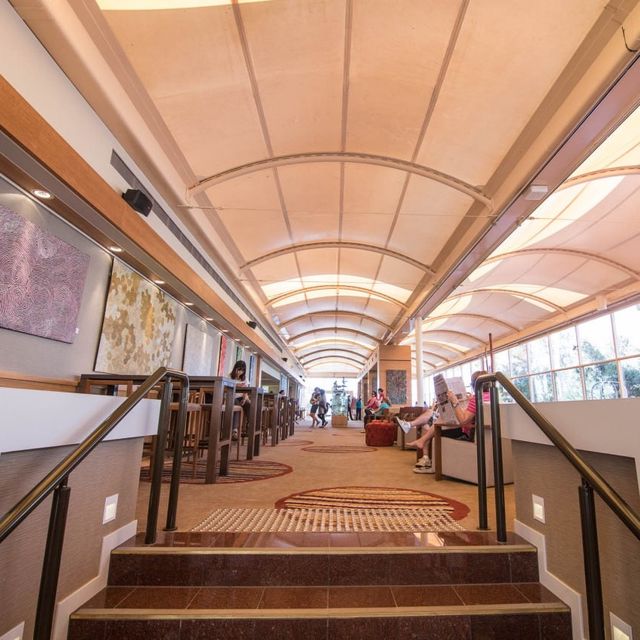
(459, 459)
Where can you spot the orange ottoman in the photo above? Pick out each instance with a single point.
(380, 433)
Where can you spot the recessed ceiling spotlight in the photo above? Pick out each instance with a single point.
(189, 304)
(208, 319)
(159, 281)
(115, 249)
(42, 194)
(224, 330)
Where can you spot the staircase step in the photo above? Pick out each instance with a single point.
(324, 586)
(429, 562)
(497, 621)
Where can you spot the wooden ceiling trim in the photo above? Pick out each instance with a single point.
(360, 246)
(344, 156)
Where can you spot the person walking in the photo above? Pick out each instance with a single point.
(359, 408)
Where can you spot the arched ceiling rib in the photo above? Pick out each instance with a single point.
(510, 292)
(477, 316)
(459, 334)
(334, 359)
(343, 156)
(632, 170)
(335, 244)
(333, 352)
(569, 253)
(343, 314)
(279, 300)
(337, 330)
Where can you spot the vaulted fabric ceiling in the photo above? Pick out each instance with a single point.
(341, 155)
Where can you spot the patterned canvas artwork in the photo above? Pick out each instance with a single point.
(252, 370)
(199, 352)
(397, 386)
(222, 355)
(41, 280)
(139, 325)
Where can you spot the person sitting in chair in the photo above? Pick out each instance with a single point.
(466, 418)
(239, 373)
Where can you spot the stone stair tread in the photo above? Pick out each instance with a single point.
(292, 541)
(254, 599)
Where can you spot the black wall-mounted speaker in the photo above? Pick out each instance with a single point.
(252, 323)
(138, 201)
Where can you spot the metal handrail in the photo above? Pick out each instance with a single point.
(591, 480)
(56, 482)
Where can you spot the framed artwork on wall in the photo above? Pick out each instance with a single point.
(396, 386)
(42, 280)
(139, 325)
(199, 352)
(222, 355)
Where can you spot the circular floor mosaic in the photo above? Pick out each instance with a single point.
(366, 498)
(239, 471)
(294, 443)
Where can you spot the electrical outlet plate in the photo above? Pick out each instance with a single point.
(620, 630)
(538, 508)
(14, 634)
(110, 509)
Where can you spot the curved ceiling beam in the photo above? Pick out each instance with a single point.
(584, 255)
(437, 355)
(345, 314)
(335, 287)
(459, 334)
(477, 316)
(321, 342)
(334, 359)
(630, 170)
(444, 345)
(317, 351)
(335, 156)
(335, 330)
(331, 244)
(516, 294)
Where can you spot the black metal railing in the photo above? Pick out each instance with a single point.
(591, 481)
(56, 482)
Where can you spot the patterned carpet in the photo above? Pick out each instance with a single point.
(239, 471)
(372, 498)
(345, 509)
(340, 449)
(294, 443)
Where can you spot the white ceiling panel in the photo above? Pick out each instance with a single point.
(191, 64)
(469, 134)
(376, 84)
(394, 68)
(400, 274)
(297, 50)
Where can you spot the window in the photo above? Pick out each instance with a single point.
(538, 353)
(518, 357)
(501, 362)
(596, 340)
(542, 388)
(569, 385)
(564, 348)
(522, 384)
(627, 322)
(601, 381)
(631, 377)
(596, 360)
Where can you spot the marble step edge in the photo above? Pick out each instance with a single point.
(175, 551)
(352, 612)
